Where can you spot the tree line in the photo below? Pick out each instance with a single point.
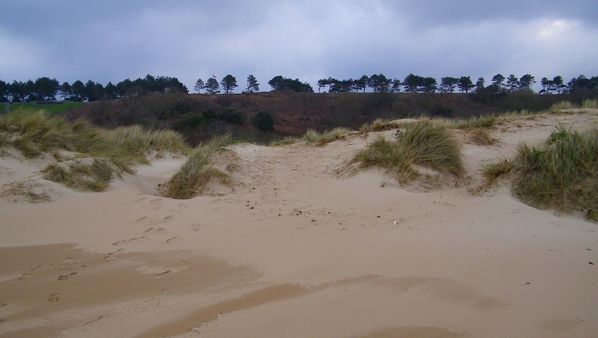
(412, 83)
(47, 89)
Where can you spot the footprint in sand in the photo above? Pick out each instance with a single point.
(163, 273)
(53, 298)
(195, 226)
(168, 219)
(125, 241)
(172, 240)
(157, 203)
(24, 275)
(67, 276)
(113, 254)
(141, 219)
(183, 206)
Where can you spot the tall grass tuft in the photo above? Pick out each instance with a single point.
(560, 174)
(93, 175)
(481, 137)
(561, 105)
(590, 104)
(423, 143)
(320, 139)
(480, 122)
(380, 125)
(494, 171)
(37, 133)
(196, 173)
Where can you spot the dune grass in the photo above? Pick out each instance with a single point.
(494, 171)
(320, 139)
(108, 150)
(561, 105)
(424, 143)
(284, 141)
(196, 173)
(560, 174)
(380, 125)
(481, 137)
(478, 122)
(87, 174)
(590, 104)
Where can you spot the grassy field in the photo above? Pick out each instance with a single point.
(50, 109)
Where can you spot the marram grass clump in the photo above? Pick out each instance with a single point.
(560, 174)
(423, 143)
(98, 150)
(320, 139)
(197, 172)
(86, 175)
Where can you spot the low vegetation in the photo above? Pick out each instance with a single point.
(481, 137)
(424, 143)
(585, 104)
(98, 154)
(478, 122)
(87, 174)
(197, 172)
(560, 174)
(50, 109)
(285, 141)
(320, 139)
(380, 125)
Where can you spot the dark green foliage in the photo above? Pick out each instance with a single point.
(229, 83)
(263, 121)
(280, 84)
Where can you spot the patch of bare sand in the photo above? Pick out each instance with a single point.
(296, 251)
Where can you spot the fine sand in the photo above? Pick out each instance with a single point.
(297, 248)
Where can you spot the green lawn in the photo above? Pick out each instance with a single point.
(51, 109)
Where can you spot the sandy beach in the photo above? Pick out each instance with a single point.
(296, 247)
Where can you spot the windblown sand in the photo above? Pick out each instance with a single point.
(294, 250)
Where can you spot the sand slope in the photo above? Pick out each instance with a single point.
(296, 251)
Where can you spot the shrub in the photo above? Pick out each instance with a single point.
(423, 143)
(263, 121)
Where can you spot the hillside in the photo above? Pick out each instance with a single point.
(200, 116)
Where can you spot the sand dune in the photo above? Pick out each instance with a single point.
(295, 250)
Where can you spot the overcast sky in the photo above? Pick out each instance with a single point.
(110, 40)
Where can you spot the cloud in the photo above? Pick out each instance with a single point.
(111, 40)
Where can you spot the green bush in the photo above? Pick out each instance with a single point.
(263, 121)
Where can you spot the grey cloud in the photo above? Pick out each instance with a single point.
(111, 40)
